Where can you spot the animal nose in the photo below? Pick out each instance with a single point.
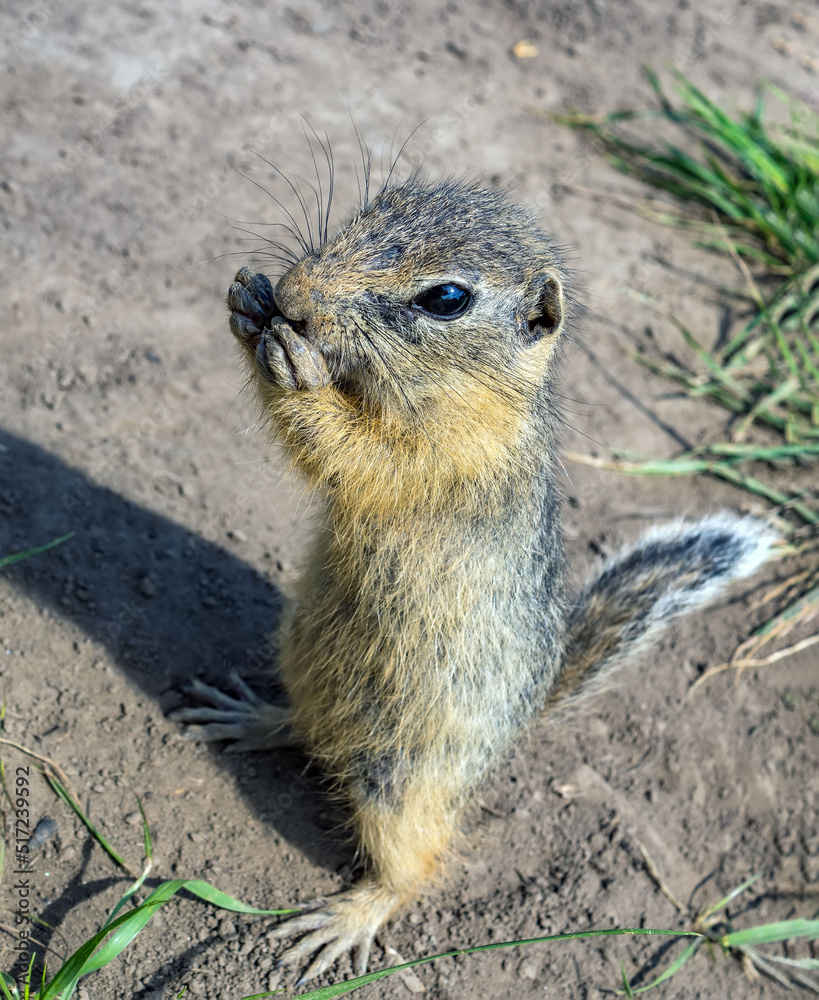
(296, 294)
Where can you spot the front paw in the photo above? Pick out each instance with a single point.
(252, 306)
(285, 358)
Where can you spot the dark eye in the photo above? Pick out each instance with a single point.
(444, 301)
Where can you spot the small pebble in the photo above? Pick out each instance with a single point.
(528, 969)
(226, 929)
(46, 828)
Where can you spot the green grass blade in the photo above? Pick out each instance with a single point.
(766, 402)
(801, 607)
(805, 357)
(62, 793)
(769, 933)
(9, 987)
(149, 854)
(339, 989)
(17, 556)
(124, 929)
(755, 453)
(133, 888)
(713, 366)
(759, 961)
(686, 465)
(753, 485)
(732, 895)
(785, 352)
(796, 963)
(675, 966)
(214, 896)
(148, 845)
(626, 984)
(67, 977)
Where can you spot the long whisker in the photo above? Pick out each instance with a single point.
(272, 243)
(404, 145)
(260, 247)
(281, 225)
(367, 163)
(331, 166)
(243, 253)
(305, 206)
(295, 231)
(308, 246)
(269, 249)
(323, 209)
(317, 192)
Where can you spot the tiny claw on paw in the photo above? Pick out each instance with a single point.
(251, 304)
(287, 358)
(243, 716)
(347, 922)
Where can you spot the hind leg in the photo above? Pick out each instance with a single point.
(405, 840)
(243, 717)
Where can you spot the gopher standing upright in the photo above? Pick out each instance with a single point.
(407, 366)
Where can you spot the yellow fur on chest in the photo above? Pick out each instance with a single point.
(375, 465)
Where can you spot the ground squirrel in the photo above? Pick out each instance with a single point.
(407, 365)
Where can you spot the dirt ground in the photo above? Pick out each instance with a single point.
(126, 134)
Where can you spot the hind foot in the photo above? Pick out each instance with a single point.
(346, 922)
(243, 717)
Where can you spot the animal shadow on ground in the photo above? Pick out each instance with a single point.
(165, 603)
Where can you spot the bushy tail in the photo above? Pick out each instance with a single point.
(668, 572)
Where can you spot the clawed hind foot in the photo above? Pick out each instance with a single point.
(331, 927)
(242, 717)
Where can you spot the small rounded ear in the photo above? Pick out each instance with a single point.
(545, 318)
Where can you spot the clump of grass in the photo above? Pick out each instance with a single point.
(120, 928)
(762, 182)
(713, 926)
(750, 190)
